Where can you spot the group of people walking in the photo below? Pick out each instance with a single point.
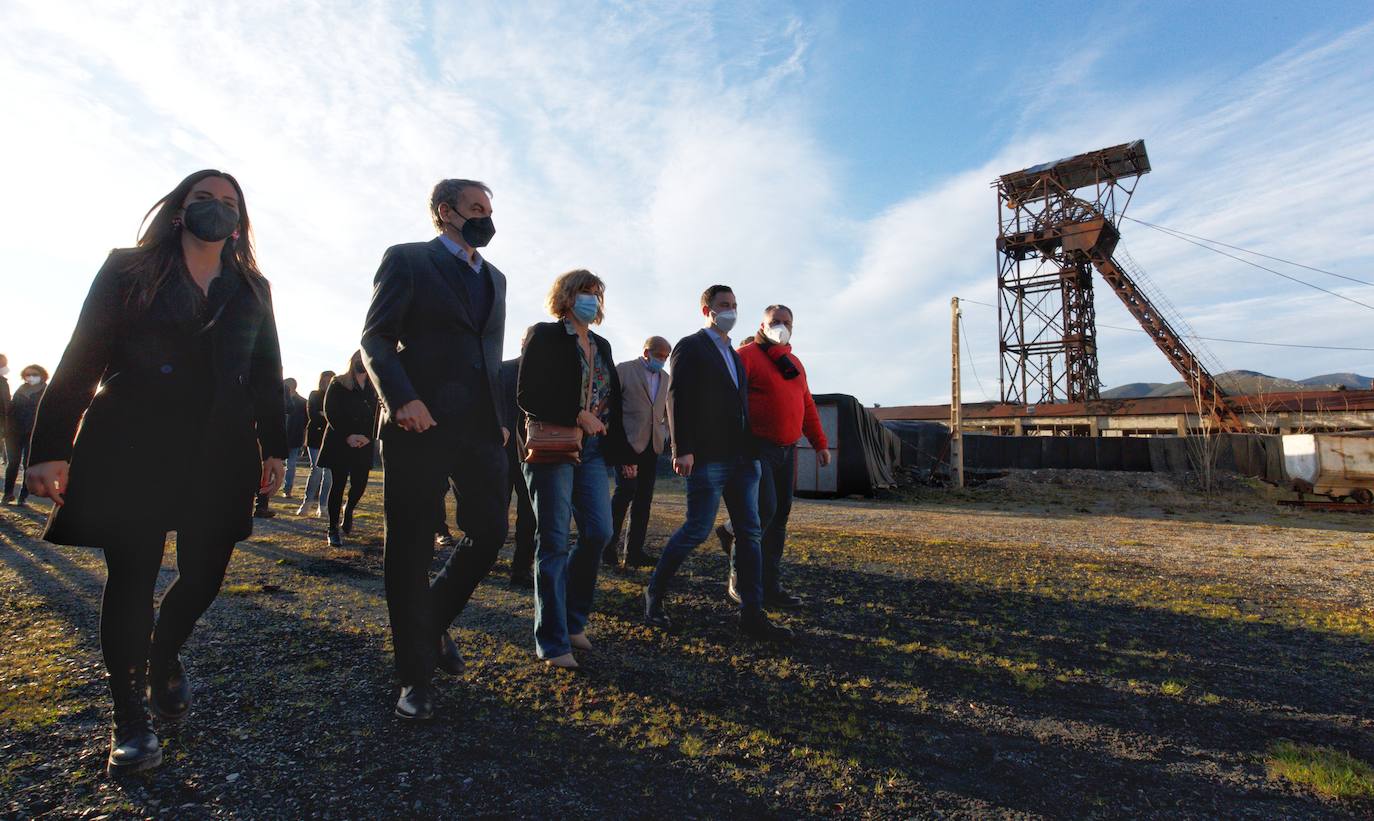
(176, 350)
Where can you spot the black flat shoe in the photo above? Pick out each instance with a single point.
(782, 600)
(169, 691)
(415, 704)
(727, 539)
(641, 560)
(760, 628)
(450, 660)
(335, 540)
(654, 614)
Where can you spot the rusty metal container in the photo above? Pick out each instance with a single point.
(1338, 465)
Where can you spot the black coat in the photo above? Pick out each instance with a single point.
(24, 409)
(422, 341)
(349, 411)
(708, 415)
(314, 411)
(550, 386)
(295, 421)
(4, 404)
(174, 396)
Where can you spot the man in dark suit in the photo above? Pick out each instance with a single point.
(708, 415)
(522, 560)
(432, 343)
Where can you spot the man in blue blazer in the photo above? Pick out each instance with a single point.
(708, 416)
(432, 343)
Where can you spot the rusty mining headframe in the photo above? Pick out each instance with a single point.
(1056, 223)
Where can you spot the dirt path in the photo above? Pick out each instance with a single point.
(1078, 655)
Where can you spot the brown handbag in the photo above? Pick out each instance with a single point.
(549, 444)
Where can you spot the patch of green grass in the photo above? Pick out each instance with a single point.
(692, 746)
(1326, 771)
(1173, 687)
(241, 589)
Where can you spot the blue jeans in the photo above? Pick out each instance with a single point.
(292, 459)
(738, 482)
(317, 486)
(564, 577)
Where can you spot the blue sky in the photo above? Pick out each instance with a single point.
(836, 157)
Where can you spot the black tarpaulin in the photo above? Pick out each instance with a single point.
(866, 452)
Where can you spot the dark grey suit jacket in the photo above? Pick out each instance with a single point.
(422, 341)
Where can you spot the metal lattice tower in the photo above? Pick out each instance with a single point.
(1056, 223)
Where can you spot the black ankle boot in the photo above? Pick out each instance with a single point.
(169, 690)
(134, 746)
(348, 520)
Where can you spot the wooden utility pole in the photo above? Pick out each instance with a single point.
(956, 416)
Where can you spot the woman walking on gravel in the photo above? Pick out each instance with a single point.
(568, 380)
(317, 486)
(350, 408)
(178, 335)
(23, 409)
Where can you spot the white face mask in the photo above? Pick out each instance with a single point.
(33, 379)
(778, 334)
(4, 370)
(725, 320)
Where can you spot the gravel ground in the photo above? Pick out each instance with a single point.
(1043, 646)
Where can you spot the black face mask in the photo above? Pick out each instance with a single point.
(477, 231)
(210, 220)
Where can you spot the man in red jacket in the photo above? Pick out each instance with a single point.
(780, 411)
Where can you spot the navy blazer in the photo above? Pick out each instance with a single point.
(421, 339)
(708, 414)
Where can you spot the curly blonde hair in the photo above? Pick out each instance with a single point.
(563, 294)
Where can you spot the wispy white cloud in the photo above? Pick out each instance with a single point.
(666, 146)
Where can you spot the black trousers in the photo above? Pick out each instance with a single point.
(522, 562)
(17, 450)
(127, 637)
(356, 476)
(416, 466)
(635, 495)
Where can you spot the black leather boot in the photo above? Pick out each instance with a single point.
(348, 520)
(335, 540)
(169, 690)
(654, 614)
(134, 747)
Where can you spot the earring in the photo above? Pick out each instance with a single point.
(176, 222)
(234, 235)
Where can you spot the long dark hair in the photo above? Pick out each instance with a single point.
(355, 362)
(157, 256)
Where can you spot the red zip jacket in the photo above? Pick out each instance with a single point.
(780, 410)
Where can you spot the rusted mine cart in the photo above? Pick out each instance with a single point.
(1339, 466)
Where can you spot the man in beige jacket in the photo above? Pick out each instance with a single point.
(644, 388)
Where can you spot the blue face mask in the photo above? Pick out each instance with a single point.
(655, 365)
(585, 307)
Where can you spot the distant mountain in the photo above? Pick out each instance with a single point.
(1351, 381)
(1245, 383)
(1135, 390)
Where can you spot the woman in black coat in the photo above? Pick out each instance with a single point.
(317, 486)
(568, 377)
(22, 410)
(351, 409)
(178, 335)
